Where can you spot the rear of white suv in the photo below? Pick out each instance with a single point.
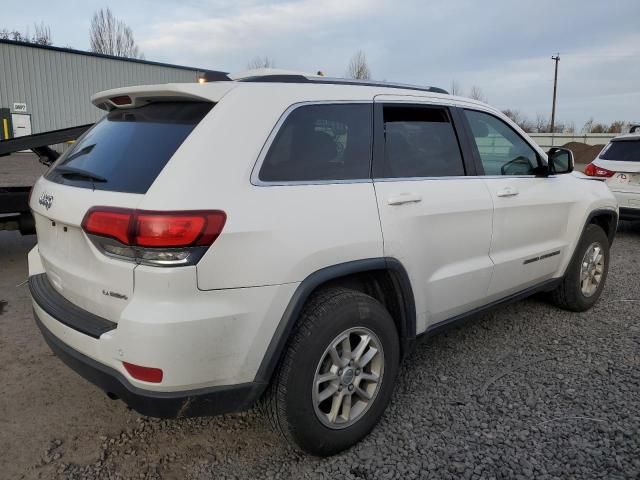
(619, 164)
(161, 272)
(114, 275)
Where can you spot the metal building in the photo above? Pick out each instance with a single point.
(46, 88)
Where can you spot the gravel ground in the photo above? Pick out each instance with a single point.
(526, 391)
(20, 169)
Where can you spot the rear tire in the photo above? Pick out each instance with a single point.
(586, 274)
(307, 399)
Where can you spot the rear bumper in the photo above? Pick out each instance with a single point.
(627, 213)
(204, 401)
(628, 203)
(208, 344)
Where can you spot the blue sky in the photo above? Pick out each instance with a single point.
(504, 47)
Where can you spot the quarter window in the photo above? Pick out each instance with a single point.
(420, 142)
(502, 151)
(321, 143)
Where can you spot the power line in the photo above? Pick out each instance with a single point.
(590, 55)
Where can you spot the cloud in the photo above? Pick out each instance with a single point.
(600, 81)
(251, 27)
(502, 46)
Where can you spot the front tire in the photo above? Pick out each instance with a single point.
(337, 374)
(586, 274)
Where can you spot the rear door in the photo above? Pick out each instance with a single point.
(113, 164)
(531, 213)
(435, 219)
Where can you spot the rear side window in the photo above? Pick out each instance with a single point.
(127, 149)
(420, 142)
(321, 143)
(623, 151)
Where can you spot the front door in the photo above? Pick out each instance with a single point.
(435, 219)
(531, 213)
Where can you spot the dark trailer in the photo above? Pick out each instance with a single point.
(14, 200)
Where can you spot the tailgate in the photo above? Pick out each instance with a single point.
(75, 268)
(112, 165)
(626, 177)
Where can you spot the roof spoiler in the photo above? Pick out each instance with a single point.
(130, 97)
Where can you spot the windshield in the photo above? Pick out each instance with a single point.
(127, 149)
(622, 151)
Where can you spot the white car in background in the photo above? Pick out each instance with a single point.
(619, 163)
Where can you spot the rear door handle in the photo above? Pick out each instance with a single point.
(507, 192)
(403, 198)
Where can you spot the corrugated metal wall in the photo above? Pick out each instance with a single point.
(57, 85)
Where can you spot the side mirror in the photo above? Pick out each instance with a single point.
(560, 161)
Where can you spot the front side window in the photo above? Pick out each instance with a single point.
(321, 143)
(420, 142)
(502, 151)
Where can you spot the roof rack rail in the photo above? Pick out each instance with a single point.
(287, 78)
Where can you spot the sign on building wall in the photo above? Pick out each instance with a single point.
(21, 124)
(19, 107)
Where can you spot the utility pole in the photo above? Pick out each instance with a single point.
(556, 58)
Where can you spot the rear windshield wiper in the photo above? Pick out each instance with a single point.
(78, 172)
(85, 151)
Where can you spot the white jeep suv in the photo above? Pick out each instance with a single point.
(287, 238)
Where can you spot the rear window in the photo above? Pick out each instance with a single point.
(127, 149)
(321, 143)
(623, 151)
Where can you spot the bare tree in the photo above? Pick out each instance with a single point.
(570, 127)
(358, 67)
(111, 36)
(559, 127)
(591, 126)
(13, 35)
(455, 88)
(588, 125)
(541, 123)
(519, 119)
(616, 127)
(477, 94)
(42, 35)
(261, 62)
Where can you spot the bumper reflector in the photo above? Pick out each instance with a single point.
(146, 374)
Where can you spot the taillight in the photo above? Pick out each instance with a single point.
(177, 229)
(593, 170)
(154, 238)
(111, 223)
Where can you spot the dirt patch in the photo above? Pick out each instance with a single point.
(582, 152)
